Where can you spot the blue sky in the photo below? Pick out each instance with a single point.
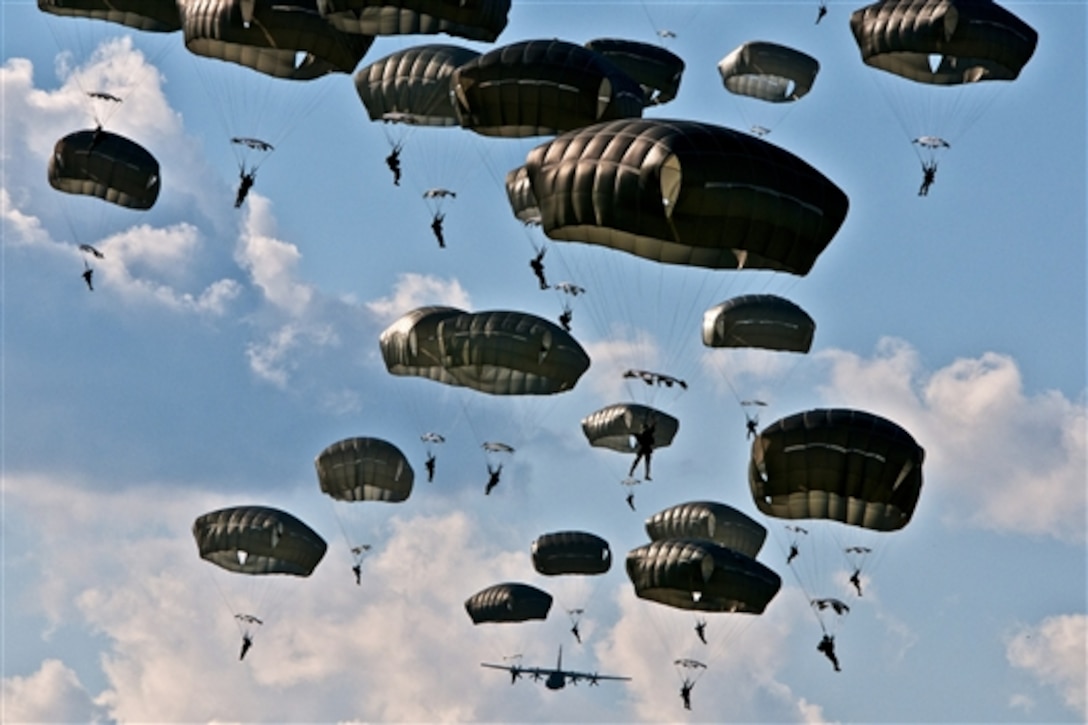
(223, 349)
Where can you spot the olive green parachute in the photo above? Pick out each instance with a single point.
(473, 19)
(685, 192)
(412, 85)
(364, 469)
(760, 321)
(838, 464)
(542, 87)
(711, 521)
(571, 552)
(157, 16)
(282, 39)
(497, 352)
(103, 164)
(769, 72)
(519, 192)
(656, 69)
(508, 602)
(614, 426)
(258, 540)
(974, 40)
(702, 576)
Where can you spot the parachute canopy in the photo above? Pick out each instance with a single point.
(656, 69)
(473, 19)
(258, 540)
(508, 602)
(768, 72)
(412, 85)
(711, 521)
(615, 426)
(519, 192)
(943, 42)
(158, 16)
(702, 576)
(844, 465)
(364, 469)
(103, 164)
(497, 352)
(761, 321)
(541, 87)
(571, 552)
(685, 192)
(281, 39)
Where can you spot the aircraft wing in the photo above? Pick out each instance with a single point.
(593, 677)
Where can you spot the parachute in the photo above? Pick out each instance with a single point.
(614, 426)
(571, 552)
(519, 192)
(508, 602)
(258, 540)
(158, 16)
(843, 465)
(412, 86)
(496, 352)
(710, 521)
(364, 469)
(105, 165)
(656, 69)
(541, 87)
(763, 77)
(480, 20)
(686, 193)
(761, 321)
(700, 575)
(281, 39)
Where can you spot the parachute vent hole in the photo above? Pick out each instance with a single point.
(935, 62)
(242, 557)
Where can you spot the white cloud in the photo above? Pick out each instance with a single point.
(1055, 652)
(274, 359)
(272, 263)
(416, 290)
(1018, 462)
(52, 694)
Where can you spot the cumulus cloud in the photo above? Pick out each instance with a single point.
(1055, 652)
(1018, 461)
(416, 290)
(52, 694)
(272, 263)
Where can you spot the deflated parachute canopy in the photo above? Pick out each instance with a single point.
(571, 552)
(103, 164)
(473, 19)
(614, 426)
(711, 521)
(364, 469)
(542, 87)
(769, 72)
(508, 602)
(157, 16)
(685, 192)
(282, 39)
(412, 85)
(656, 69)
(760, 321)
(497, 352)
(701, 576)
(943, 42)
(258, 540)
(838, 464)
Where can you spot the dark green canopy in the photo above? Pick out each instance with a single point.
(258, 540)
(542, 87)
(702, 576)
(519, 192)
(837, 464)
(656, 69)
(685, 192)
(711, 521)
(412, 85)
(615, 426)
(105, 165)
(571, 552)
(282, 39)
(364, 469)
(943, 42)
(768, 71)
(473, 19)
(761, 321)
(158, 16)
(508, 602)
